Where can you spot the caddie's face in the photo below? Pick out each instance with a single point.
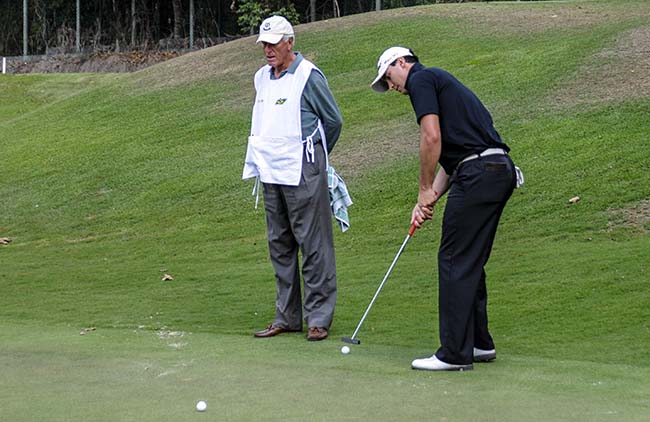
(396, 75)
(279, 56)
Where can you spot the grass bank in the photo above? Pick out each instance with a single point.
(110, 181)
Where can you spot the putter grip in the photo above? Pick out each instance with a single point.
(412, 230)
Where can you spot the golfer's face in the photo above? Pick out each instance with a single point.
(396, 75)
(279, 56)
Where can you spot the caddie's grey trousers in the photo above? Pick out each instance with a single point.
(298, 219)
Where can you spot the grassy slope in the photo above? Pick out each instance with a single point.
(109, 181)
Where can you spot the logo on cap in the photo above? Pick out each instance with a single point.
(267, 26)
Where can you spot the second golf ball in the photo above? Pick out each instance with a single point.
(345, 350)
(201, 406)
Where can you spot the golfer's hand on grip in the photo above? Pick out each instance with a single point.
(423, 210)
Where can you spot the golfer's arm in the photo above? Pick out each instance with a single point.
(430, 147)
(441, 182)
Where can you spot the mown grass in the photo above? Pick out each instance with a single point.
(135, 375)
(110, 181)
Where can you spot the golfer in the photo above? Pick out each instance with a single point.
(456, 133)
(295, 124)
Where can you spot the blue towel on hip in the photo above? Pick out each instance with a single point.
(339, 198)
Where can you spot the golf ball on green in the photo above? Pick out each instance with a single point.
(201, 406)
(345, 350)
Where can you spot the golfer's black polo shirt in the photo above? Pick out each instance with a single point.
(465, 124)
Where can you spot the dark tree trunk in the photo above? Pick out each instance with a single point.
(178, 18)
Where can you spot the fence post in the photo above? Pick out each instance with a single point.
(4, 65)
(25, 31)
(78, 31)
(191, 24)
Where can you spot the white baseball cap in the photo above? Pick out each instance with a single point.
(273, 29)
(386, 58)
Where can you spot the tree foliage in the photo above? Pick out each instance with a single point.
(252, 13)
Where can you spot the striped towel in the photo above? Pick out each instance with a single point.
(339, 198)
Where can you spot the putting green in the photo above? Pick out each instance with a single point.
(56, 374)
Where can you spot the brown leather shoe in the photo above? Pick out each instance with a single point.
(272, 330)
(317, 333)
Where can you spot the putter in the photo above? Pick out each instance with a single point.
(353, 339)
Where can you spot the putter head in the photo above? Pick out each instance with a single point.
(350, 340)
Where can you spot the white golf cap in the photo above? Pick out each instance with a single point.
(386, 58)
(273, 29)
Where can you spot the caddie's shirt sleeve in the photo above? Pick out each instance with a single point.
(318, 103)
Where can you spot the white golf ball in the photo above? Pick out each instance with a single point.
(345, 350)
(201, 406)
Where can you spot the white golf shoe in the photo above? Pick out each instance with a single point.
(481, 355)
(435, 364)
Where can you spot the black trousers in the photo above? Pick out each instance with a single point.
(479, 191)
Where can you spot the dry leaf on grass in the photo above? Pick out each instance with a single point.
(167, 277)
(87, 330)
(574, 199)
(5, 241)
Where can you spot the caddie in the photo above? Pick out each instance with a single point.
(295, 124)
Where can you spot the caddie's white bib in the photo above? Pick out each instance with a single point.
(275, 146)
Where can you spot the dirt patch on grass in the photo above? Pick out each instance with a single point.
(519, 18)
(377, 145)
(617, 73)
(94, 63)
(636, 217)
(534, 18)
(235, 61)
